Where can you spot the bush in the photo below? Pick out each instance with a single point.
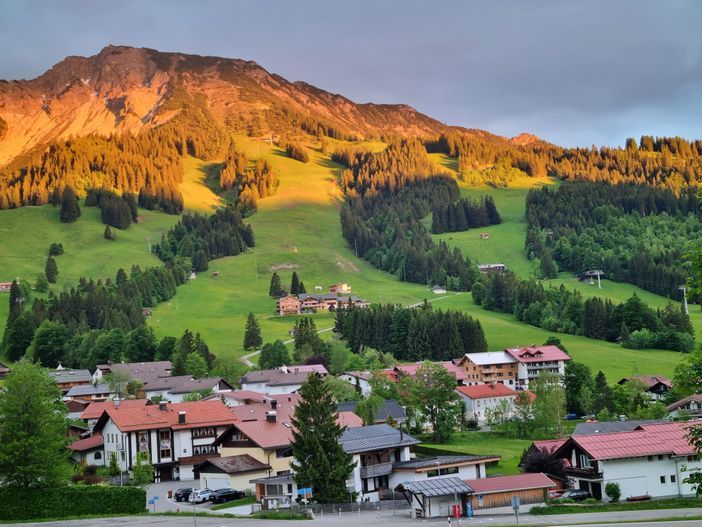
(613, 491)
(297, 151)
(56, 249)
(590, 501)
(67, 502)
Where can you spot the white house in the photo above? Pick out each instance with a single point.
(231, 472)
(533, 360)
(359, 379)
(480, 398)
(437, 467)
(648, 461)
(88, 451)
(283, 380)
(91, 392)
(176, 436)
(692, 405)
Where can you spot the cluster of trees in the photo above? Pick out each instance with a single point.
(297, 151)
(583, 226)
(248, 185)
(464, 214)
(387, 194)
(410, 334)
(276, 290)
(115, 210)
(203, 238)
(70, 211)
(632, 323)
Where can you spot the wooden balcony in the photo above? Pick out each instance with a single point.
(379, 469)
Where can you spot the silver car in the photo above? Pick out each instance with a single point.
(200, 496)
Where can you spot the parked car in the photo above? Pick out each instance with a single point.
(576, 494)
(222, 495)
(200, 496)
(555, 494)
(183, 494)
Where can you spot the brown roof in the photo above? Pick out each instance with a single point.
(144, 371)
(183, 384)
(267, 434)
(696, 397)
(196, 460)
(149, 417)
(286, 375)
(536, 480)
(538, 353)
(234, 464)
(649, 381)
(89, 443)
(95, 410)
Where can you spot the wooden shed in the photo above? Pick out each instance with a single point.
(488, 493)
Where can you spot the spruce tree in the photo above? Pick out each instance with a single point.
(70, 211)
(16, 299)
(548, 266)
(199, 261)
(295, 284)
(275, 290)
(185, 346)
(319, 459)
(301, 289)
(252, 336)
(51, 270)
(307, 341)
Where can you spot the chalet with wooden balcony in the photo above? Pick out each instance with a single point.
(488, 368)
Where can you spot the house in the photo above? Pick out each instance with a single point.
(692, 405)
(432, 499)
(375, 448)
(310, 303)
(488, 493)
(142, 371)
(66, 378)
(411, 370)
(94, 410)
(589, 276)
(4, 371)
(389, 410)
(76, 407)
(533, 360)
(607, 427)
(88, 451)
(489, 367)
(340, 289)
(283, 380)
(174, 389)
(438, 290)
(546, 447)
(238, 397)
(288, 305)
(233, 472)
(275, 492)
(651, 460)
(5, 287)
(359, 379)
(482, 398)
(351, 301)
(93, 392)
(437, 467)
(175, 436)
(492, 268)
(656, 386)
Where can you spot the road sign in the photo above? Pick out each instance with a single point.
(151, 501)
(515, 503)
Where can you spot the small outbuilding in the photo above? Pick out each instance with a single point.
(434, 498)
(488, 493)
(88, 451)
(233, 472)
(438, 290)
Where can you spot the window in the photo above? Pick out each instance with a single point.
(663, 479)
(650, 458)
(98, 455)
(164, 442)
(143, 442)
(672, 478)
(585, 461)
(660, 458)
(432, 473)
(203, 449)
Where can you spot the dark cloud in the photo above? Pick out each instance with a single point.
(573, 72)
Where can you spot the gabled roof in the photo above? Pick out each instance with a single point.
(389, 408)
(606, 427)
(233, 465)
(144, 371)
(240, 395)
(411, 369)
(486, 358)
(267, 434)
(548, 445)
(348, 419)
(89, 443)
(88, 389)
(442, 461)
(183, 384)
(524, 481)
(283, 376)
(374, 437)
(150, 417)
(695, 397)
(485, 391)
(284, 408)
(95, 410)
(649, 381)
(435, 487)
(538, 353)
(364, 375)
(64, 375)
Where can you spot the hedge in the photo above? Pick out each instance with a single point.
(67, 502)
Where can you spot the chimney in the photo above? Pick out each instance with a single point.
(162, 406)
(181, 418)
(284, 368)
(274, 404)
(116, 402)
(271, 416)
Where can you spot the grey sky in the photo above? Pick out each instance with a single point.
(572, 72)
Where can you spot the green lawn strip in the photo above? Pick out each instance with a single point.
(235, 503)
(260, 515)
(66, 518)
(576, 508)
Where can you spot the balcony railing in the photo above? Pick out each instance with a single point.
(586, 473)
(372, 471)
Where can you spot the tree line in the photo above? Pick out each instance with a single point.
(464, 214)
(584, 226)
(387, 194)
(248, 185)
(410, 334)
(203, 238)
(632, 323)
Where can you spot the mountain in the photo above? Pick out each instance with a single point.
(125, 89)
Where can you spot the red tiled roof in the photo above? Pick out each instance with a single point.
(284, 409)
(348, 419)
(532, 395)
(538, 353)
(411, 369)
(549, 445)
(649, 381)
(88, 443)
(198, 413)
(267, 434)
(94, 410)
(524, 481)
(647, 440)
(483, 391)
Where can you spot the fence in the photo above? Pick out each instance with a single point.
(384, 506)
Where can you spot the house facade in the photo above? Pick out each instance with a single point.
(232, 472)
(288, 305)
(533, 360)
(691, 405)
(480, 399)
(359, 379)
(89, 451)
(283, 380)
(67, 378)
(489, 367)
(656, 386)
(175, 389)
(175, 436)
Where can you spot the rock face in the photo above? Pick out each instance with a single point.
(123, 89)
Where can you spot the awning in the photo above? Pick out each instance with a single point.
(435, 487)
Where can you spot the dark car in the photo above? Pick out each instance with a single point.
(182, 494)
(222, 495)
(576, 495)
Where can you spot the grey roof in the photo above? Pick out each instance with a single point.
(374, 437)
(66, 375)
(182, 384)
(605, 427)
(436, 487)
(317, 296)
(88, 389)
(389, 408)
(234, 464)
(144, 371)
(281, 479)
(276, 377)
(439, 461)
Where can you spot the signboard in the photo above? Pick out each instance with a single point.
(307, 491)
(515, 503)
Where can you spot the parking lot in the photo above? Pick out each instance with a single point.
(164, 504)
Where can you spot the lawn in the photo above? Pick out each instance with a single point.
(677, 503)
(248, 500)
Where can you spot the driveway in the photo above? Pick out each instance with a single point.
(164, 504)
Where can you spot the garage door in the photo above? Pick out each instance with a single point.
(214, 482)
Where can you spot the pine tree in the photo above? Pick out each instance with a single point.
(16, 299)
(602, 394)
(199, 261)
(185, 346)
(301, 289)
(307, 341)
(51, 270)
(107, 234)
(295, 284)
(275, 290)
(252, 336)
(70, 211)
(319, 459)
(548, 266)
